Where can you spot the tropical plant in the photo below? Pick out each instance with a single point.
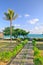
(34, 42)
(10, 15)
(38, 60)
(36, 51)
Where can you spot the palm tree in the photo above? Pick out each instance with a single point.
(10, 15)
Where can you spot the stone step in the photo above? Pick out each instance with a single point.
(29, 61)
(21, 63)
(24, 60)
(29, 50)
(25, 56)
(28, 53)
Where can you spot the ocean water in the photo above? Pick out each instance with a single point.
(35, 35)
(29, 36)
(7, 37)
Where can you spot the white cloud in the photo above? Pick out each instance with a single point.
(17, 25)
(33, 21)
(37, 30)
(1, 29)
(20, 16)
(26, 15)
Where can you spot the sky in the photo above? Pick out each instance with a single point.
(30, 15)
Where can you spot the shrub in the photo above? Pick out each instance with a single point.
(36, 51)
(6, 56)
(34, 42)
(38, 60)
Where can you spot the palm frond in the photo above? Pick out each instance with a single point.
(5, 18)
(15, 16)
(10, 15)
(6, 14)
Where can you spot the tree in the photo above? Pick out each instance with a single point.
(10, 15)
(24, 33)
(15, 32)
(6, 31)
(20, 32)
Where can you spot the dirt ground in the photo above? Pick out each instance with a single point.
(2, 63)
(7, 41)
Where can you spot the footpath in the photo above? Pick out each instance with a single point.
(25, 56)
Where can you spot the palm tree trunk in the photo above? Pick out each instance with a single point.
(11, 31)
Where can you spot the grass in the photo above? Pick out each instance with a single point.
(7, 46)
(41, 52)
(9, 50)
(3, 44)
(7, 55)
(38, 53)
(40, 46)
(39, 42)
(5, 50)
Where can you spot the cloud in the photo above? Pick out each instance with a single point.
(37, 30)
(17, 25)
(26, 15)
(33, 21)
(1, 29)
(20, 16)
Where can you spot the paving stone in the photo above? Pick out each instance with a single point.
(25, 57)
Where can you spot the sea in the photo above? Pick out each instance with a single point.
(29, 36)
(35, 35)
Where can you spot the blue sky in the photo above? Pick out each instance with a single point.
(30, 14)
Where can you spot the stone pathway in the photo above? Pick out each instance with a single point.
(25, 57)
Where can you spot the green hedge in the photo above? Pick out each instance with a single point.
(34, 42)
(38, 60)
(36, 51)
